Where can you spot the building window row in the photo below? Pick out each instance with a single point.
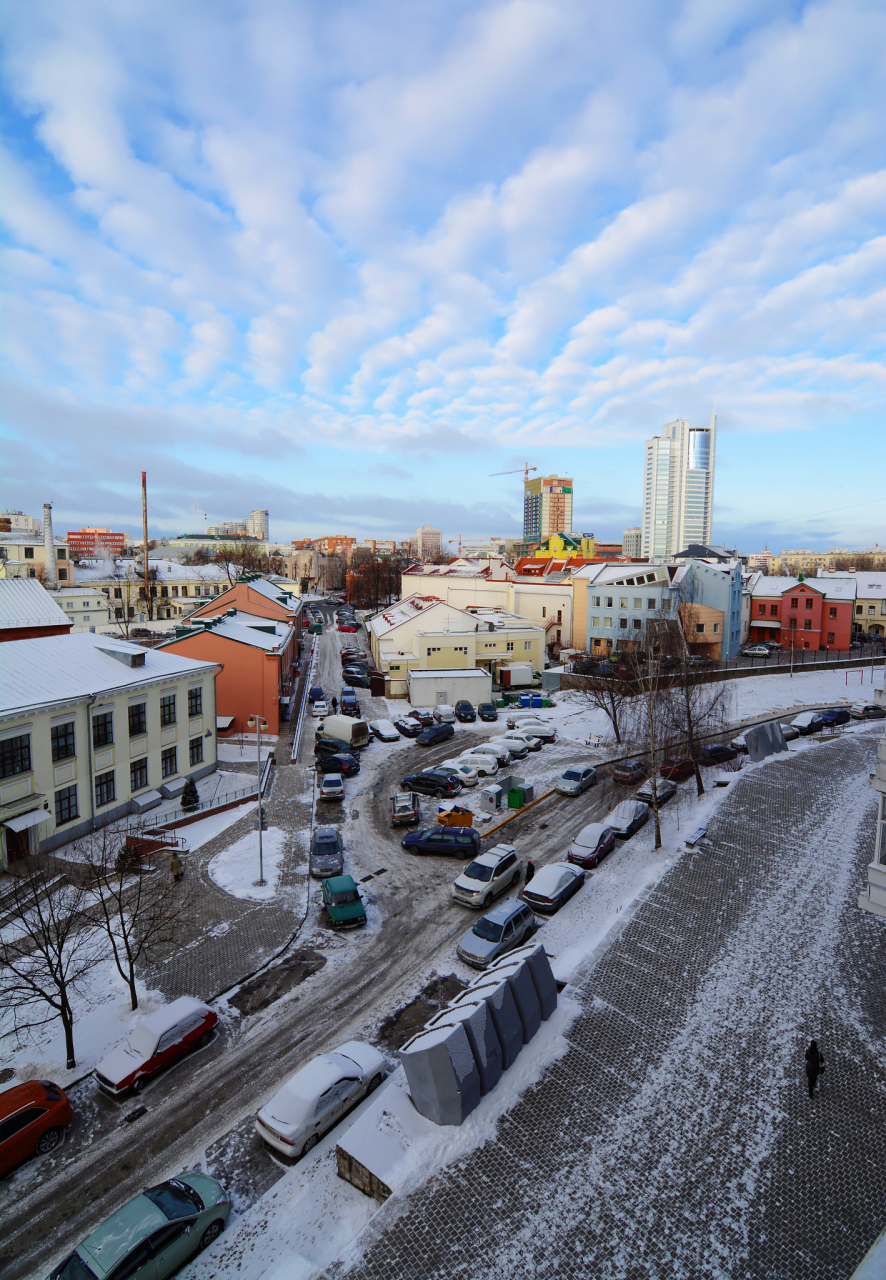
(15, 756)
(63, 746)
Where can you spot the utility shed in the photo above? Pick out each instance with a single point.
(431, 688)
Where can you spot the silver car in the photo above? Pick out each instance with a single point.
(487, 876)
(627, 817)
(317, 1097)
(575, 779)
(505, 926)
(327, 853)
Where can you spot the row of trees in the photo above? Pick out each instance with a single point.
(109, 907)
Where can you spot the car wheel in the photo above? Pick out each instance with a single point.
(204, 1040)
(138, 1086)
(310, 1144)
(48, 1141)
(375, 1082)
(438, 794)
(486, 901)
(212, 1233)
(515, 878)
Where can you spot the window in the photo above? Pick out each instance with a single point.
(773, 611)
(595, 622)
(195, 750)
(830, 637)
(793, 624)
(184, 591)
(638, 603)
(560, 614)
(650, 603)
(795, 603)
(544, 612)
(167, 762)
(138, 774)
(609, 602)
(15, 756)
(809, 603)
(859, 609)
(138, 720)
(832, 612)
(761, 610)
(637, 624)
(175, 591)
(167, 709)
(435, 650)
(623, 624)
(66, 805)
(103, 729)
(63, 741)
(807, 624)
(61, 553)
(607, 622)
(510, 646)
(105, 791)
(596, 602)
(527, 644)
(871, 611)
(716, 626)
(699, 628)
(622, 602)
(118, 593)
(195, 702)
(132, 1263)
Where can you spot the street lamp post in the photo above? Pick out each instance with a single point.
(257, 723)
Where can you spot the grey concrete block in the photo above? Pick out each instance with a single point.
(505, 1018)
(476, 1019)
(443, 1078)
(535, 956)
(765, 740)
(519, 979)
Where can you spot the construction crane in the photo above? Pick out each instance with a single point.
(525, 469)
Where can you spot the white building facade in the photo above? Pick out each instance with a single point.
(678, 488)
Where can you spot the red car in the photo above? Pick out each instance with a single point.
(156, 1042)
(33, 1119)
(677, 770)
(591, 845)
(346, 626)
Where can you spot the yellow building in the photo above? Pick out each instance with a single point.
(567, 544)
(802, 560)
(22, 555)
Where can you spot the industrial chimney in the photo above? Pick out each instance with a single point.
(50, 577)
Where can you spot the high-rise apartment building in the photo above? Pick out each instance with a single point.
(678, 488)
(428, 542)
(632, 542)
(547, 507)
(258, 525)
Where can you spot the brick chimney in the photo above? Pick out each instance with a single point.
(50, 576)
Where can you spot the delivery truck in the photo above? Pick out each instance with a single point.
(345, 729)
(519, 675)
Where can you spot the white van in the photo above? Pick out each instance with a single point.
(345, 729)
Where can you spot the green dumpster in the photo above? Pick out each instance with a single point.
(516, 798)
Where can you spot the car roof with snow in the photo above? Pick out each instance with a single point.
(492, 857)
(627, 810)
(590, 834)
(551, 876)
(172, 1014)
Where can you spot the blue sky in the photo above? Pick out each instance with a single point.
(345, 260)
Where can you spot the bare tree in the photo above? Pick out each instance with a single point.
(47, 951)
(699, 709)
(649, 719)
(611, 695)
(139, 909)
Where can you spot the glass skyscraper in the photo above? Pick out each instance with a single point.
(678, 488)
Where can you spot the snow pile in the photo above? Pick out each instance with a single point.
(199, 833)
(235, 869)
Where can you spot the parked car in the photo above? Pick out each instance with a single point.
(316, 694)
(357, 677)
(343, 903)
(340, 762)
(627, 817)
(627, 772)
(433, 782)
(486, 765)
(487, 711)
(677, 770)
(347, 626)
(494, 749)
(526, 738)
(452, 842)
(348, 704)
(408, 728)
(867, 711)
(332, 787)
(576, 779)
(517, 748)
(516, 718)
(444, 714)
(33, 1118)
(808, 722)
(314, 1100)
(327, 853)
(716, 753)
(536, 729)
(553, 885)
(789, 732)
(665, 790)
(352, 651)
(834, 716)
(384, 731)
(155, 1042)
(504, 927)
(591, 845)
(423, 715)
(404, 809)
(319, 708)
(464, 711)
(700, 661)
(741, 743)
(755, 651)
(324, 747)
(466, 772)
(436, 733)
(489, 874)
(155, 1234)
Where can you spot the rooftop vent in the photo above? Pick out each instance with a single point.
(128, 657)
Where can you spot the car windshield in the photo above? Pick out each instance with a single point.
(488, 930)
(346, 895)
(73, 1268)
(477, 871)
(325, 848)
(176, 1199)
(572, 775)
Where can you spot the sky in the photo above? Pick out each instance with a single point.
(347, 260)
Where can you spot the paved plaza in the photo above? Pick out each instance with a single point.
(676, 1137)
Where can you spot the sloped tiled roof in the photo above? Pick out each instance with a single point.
(25, 602)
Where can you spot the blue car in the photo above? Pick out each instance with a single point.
(316, 694)
(834, 716)
(452, 842)
(436, 733)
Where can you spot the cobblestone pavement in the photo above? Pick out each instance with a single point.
(676, 1137)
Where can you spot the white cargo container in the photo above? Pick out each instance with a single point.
(436, 688)
(519, 675)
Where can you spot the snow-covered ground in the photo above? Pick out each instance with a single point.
(199, 833)
(233, 751)
(235, 869)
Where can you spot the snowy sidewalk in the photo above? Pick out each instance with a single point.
(676, 1137)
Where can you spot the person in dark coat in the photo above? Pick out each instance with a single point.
(814, 1065)
(530, 870)
(175, 866)
(334, 705)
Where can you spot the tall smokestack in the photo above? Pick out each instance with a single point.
(50, 577)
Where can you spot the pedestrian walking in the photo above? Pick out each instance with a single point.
(175, 866)
(530, 870)
(814, 1065)
(334, 706)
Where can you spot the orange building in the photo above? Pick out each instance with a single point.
(256, 595)
(256, 655)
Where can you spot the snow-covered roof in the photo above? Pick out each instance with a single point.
(830, 588)
(243, 628)
(773, 585)
(25, 602)
(642, 574)
(396, 614)
(108, 571)
(44, 670)
(270, 591)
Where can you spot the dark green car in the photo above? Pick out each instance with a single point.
(153, 1235)
(341, 898)
(487, 711)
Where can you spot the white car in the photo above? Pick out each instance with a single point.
(496, 750)
(536, 729)
(332, 787)
(515, 735)
(486, 765)
(316, 1098)
(516, 719)
(384, 731)
(756, 651)
(490, 874)
(319, 709)
(465, 770)
(517, 748)
(444, 714)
